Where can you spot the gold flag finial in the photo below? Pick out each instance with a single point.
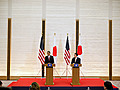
(67, 34)
(54, 33)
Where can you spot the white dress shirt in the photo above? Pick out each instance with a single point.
(75, 59)
(49, 57)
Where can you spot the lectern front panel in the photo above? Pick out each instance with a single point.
(75, 76)
(49, 75)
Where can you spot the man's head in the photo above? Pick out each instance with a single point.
(0, 84)
(75, 55)
(108, 85)
(48, 53)
(34, 86)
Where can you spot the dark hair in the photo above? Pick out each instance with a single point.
(34, 86)
(48, 51)
(0, 83)
(76, 54)
(108, 85)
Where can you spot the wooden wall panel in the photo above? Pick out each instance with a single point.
(93, 15)
(94, 38)
(94, 33)
(60, 19)
(26, 35)
(116, 38)
(3, 37)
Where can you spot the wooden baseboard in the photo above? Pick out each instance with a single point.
(102, 77)
(3, 77)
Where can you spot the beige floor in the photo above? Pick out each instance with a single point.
(116, 83)
(7, 82)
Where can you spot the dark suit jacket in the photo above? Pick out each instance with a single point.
(47, 60)
(78, 61)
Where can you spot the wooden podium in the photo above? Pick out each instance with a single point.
(49, 74)
(75, 74)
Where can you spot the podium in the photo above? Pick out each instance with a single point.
(75, 74)
(49, 74)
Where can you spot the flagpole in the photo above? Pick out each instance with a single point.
(42, 65)
(66, 71)
(80, 56)
(54, 46)
(55, 57)
(67, 56)
(67, 67)
(39, 56)
(79, 38)
(54, 39)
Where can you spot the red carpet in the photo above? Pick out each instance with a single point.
(63, 82)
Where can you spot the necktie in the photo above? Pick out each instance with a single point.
(49, 58)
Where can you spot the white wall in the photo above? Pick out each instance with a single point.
(94, 36)
(3, 37)
(116, 37)
(60, 19)
(25, 37)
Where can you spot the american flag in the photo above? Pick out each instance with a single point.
(41, 55)
(67, 52)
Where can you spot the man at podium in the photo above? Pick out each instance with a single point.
(75, 63)
(49, 58)
(49, 63)
(75, 59)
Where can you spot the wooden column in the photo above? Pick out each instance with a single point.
(9, 47)
(43, 33)
(77, 33)
(110, 49)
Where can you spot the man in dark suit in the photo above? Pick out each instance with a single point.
(49, 58)
(75, 59)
